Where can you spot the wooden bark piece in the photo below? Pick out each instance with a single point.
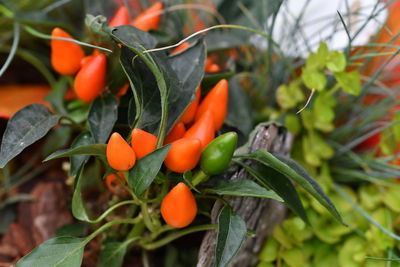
(260, 214)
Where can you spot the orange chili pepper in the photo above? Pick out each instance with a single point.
(215, 101)
(180, 48)
(203, 129)
(183, 155)
(121, 17)
(179, 208)
(190, 112)
(113, 184)
(65, 56)
(86, 60)
(142, 142)
(213, 68)
(176, 133)
(150, 18)
(91, 79)
(120, 154)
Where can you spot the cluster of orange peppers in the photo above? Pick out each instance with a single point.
(68, 58)
(194, 131)
(204, 118)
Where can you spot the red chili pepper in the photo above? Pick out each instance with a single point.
(215, 101)
(65, 56)
(91, 79)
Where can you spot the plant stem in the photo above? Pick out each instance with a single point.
(109, 210)
(108, 225)
(176, 235)
(146, 217)
(199, 177)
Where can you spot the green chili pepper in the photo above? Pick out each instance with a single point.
(216, 157)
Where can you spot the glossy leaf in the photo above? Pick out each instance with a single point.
(78, 207)
(92, 150)
(112, 254)
(279, 183)
(77, 161)
(231, 234)
(188, 66)
(102, 116)
(242, 188)
(298, 174)
(146, 169)
(239, 109)
(26, 127)
(59, 251)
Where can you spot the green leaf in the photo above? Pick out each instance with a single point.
(56, 96)
(71, 229)
(151, 101)
(102, 116)
(211, 79)
(59, 251)
(28, 125)
(92, 150)
(146, 169)
(349, 81)
(239, 109)
(276, 181)
(242, 188)
(189, 68)
(78, 207)
(314, 79)
(231, 234)
(336, 61)
(84, 139)
(112, 254)
(322, 54)
(298, 174)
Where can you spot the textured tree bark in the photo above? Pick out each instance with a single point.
(260, 215)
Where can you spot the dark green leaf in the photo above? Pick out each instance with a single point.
(188, 66)
(112, 254)
(78, 207)
(231, 234)
(93, 150)
(59, 251)
(211, 79)
(26, 127)
(84, 139)
(276, 181)
(295, 172)
(146, 169)
(239, 109)
(242, 188)
(71, 229)
(56, 96)
(102, 116)
(57, 139)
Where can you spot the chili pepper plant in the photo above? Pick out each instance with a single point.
(154, 116)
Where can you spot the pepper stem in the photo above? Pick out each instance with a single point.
(199, 177)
